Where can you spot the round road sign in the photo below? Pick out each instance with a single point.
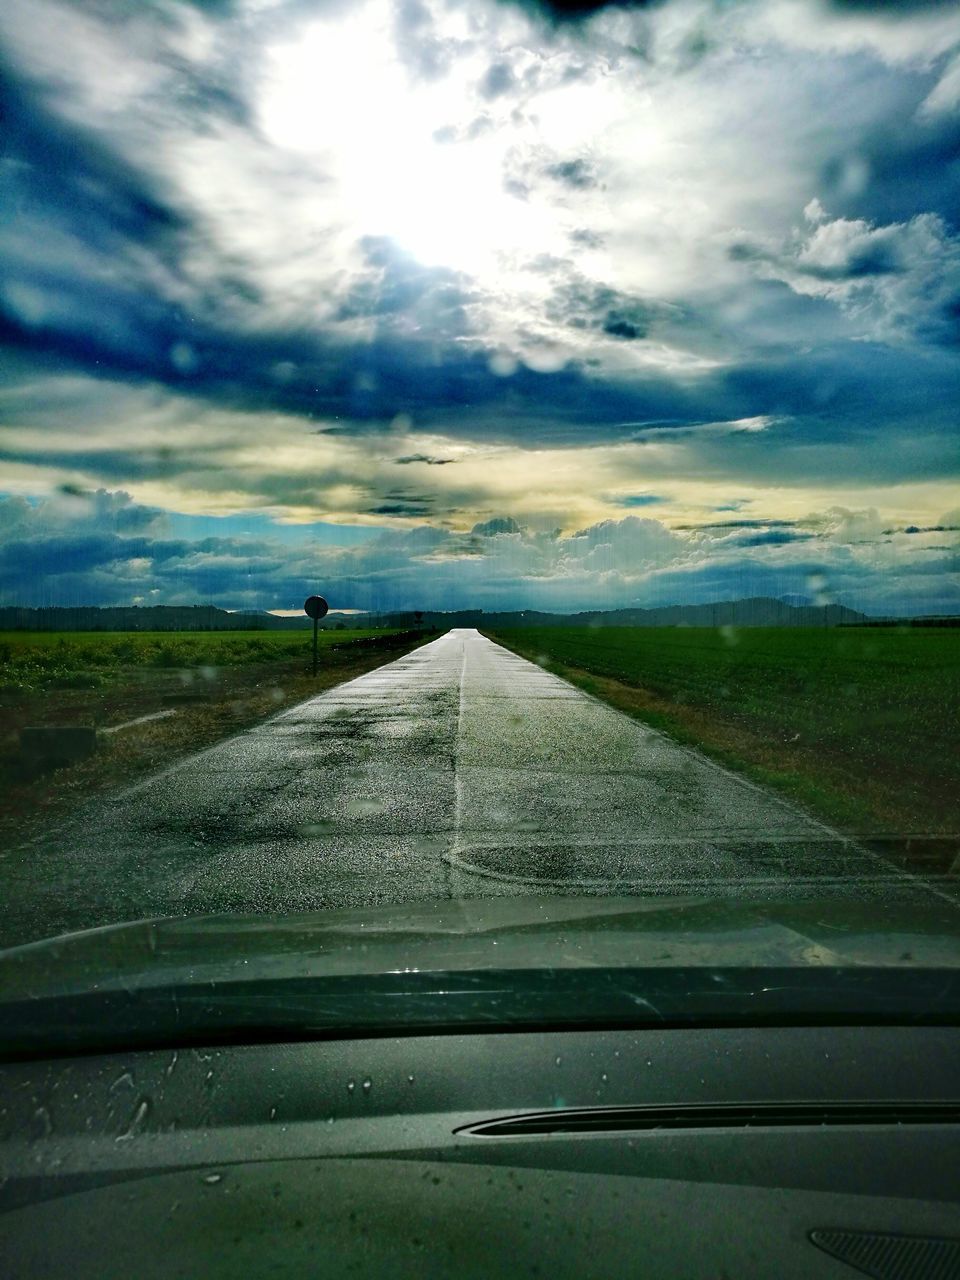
(315, 607)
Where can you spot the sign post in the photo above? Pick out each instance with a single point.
(315, 607)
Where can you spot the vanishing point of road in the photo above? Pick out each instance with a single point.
(460, 770)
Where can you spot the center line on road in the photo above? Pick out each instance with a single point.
(457, 785)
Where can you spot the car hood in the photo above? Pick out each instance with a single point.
(492, 934)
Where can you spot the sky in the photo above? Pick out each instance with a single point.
(447, 305)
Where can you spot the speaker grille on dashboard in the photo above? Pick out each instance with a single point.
(889, 1257)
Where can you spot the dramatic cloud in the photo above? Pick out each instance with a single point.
(413, 269)
(52, 551)
(895, 282)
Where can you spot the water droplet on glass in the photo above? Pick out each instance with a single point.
(557, 1060)
(136, 1121)
(503, 364)
(211, 1179)
(367, 1085)
(351, 1085)
(409, 1079)
(603, 1078)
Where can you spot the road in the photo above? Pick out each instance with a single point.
(458, 770)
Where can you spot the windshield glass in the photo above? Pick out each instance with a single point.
(478, 476)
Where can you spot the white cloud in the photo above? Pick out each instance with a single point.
(894, 281)
(685, 147)
(897, 34)
(944, 97)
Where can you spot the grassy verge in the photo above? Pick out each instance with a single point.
(859, 726)
(219, 684)
(37, 661)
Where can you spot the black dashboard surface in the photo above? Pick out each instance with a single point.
(710, 1152)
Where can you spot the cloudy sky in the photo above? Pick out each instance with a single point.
(430, 304)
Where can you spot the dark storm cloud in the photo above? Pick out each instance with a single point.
(582, 304)
(892, 166)
(418, 44)
(425, 458)
(59, 175)
(741, 524)
(574, 11)
(873, 258)
(586, 238)
(497, 81)
(97, 278)
(78, 554)
(96, 308)
(498, 525)
(640, 500)
(887, 10)
(579, 174)
(553, 176)
(407, 510)
(843, 390)
(67, 549)
(929, 528)
(516, 187)
(773, 538)
(829, 400)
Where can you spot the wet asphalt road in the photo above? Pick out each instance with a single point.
(458, 770)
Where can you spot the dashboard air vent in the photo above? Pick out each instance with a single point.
(715, 1116)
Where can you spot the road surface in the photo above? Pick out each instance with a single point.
(458, 770)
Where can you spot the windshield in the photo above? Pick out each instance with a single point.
(478, 476)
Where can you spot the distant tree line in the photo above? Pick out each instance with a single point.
(761, 611)
(141, 618)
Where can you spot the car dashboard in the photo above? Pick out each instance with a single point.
(742, 1151)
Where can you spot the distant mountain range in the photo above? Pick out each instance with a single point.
(159, 617)
(761, 611)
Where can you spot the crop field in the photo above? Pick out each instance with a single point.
(36, 660)
(860, 724)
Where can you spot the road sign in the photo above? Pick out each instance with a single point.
(315, 607)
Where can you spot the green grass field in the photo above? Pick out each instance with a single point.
(861, 724)
(37, 660)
